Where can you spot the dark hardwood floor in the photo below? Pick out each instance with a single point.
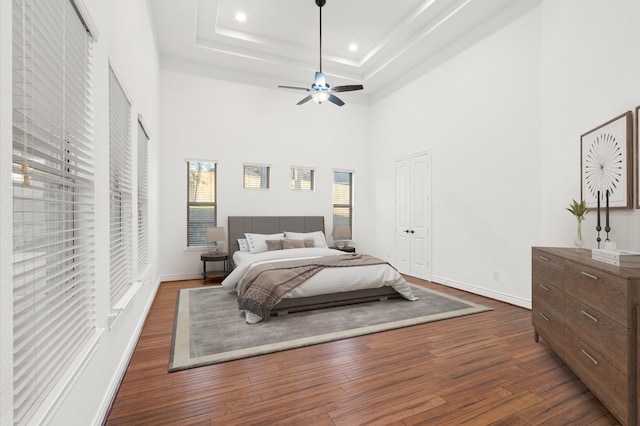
(482, 369)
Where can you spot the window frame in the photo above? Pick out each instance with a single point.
(213, 204)
(294, 181)
(120, 194)
(348, 205)
(264, 185)
(143, 199)
(53, 178)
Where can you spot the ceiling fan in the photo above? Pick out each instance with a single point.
(320, 91)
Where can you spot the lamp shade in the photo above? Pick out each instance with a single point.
(215, 234)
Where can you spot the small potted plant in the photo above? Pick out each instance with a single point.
(578, 210)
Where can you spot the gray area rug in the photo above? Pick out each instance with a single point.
(209, 328)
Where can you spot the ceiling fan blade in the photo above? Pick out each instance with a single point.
(293, 87)
(320, 81)
(307, 99)
(348, 88)
(336, 100)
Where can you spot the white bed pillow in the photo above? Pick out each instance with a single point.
(258, 242)
(243, 245)
(318, 237)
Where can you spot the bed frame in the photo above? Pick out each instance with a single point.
(239, 225)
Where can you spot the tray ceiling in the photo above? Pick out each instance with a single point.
(278, 43)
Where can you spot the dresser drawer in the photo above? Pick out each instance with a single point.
(549, 326)
(606, 336)
(547, 297)
(606, 292)
(548, 267)
(601, 376)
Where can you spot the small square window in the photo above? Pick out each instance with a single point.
(256, 176)
(302, 179)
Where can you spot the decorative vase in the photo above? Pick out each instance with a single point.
(578, 241)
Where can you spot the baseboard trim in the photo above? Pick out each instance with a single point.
(481, 291)
(181, 277)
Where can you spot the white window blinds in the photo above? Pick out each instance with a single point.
(201, 203)
(53, 172)
(120, 198)
(343, 202)
(143, 201)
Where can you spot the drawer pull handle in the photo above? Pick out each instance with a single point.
(588, 315)
(544, 317)
(546, 259)
(544, 287)
(586, 274)
(589, 356)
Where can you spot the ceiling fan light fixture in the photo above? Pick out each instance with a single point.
(320, 97)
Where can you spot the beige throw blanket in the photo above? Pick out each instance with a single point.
(264, 285)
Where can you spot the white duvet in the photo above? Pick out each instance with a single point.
(328, 280)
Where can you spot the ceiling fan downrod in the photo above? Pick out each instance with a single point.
(321, 3)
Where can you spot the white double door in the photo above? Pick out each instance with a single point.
(413, 233)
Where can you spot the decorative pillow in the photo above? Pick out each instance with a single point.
(308, 242)
(289, 244)
(318, 237)
(274, 245)
(258, 242)
(243, 244)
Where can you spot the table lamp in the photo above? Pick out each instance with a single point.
(214, 235)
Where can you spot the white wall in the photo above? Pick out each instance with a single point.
(503, 120)
(125, 37)
(590, 73)
(478, 113)
(207, 119)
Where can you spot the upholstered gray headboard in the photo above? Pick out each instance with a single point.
(238, 225)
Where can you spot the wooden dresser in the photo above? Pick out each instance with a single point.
(587, 312)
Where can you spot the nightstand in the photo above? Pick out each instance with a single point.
(220, 257)
(345, 249)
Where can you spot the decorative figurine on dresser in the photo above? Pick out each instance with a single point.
(586, 310)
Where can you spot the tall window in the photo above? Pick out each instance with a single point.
(202, 209)
(256, 176)
(302, 179)
(143, 200)
(343, 202)
(53, 193)
(120, 198)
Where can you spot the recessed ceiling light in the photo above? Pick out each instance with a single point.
(241, 17)
(353, 47)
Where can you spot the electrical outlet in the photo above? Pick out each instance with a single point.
(496, 276)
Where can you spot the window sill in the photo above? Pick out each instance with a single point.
(196, 251)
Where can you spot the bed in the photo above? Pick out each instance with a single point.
(366, 280)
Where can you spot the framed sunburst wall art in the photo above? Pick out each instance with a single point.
(606, 154)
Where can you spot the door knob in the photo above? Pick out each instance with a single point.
(406, 230)
(412, 231)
